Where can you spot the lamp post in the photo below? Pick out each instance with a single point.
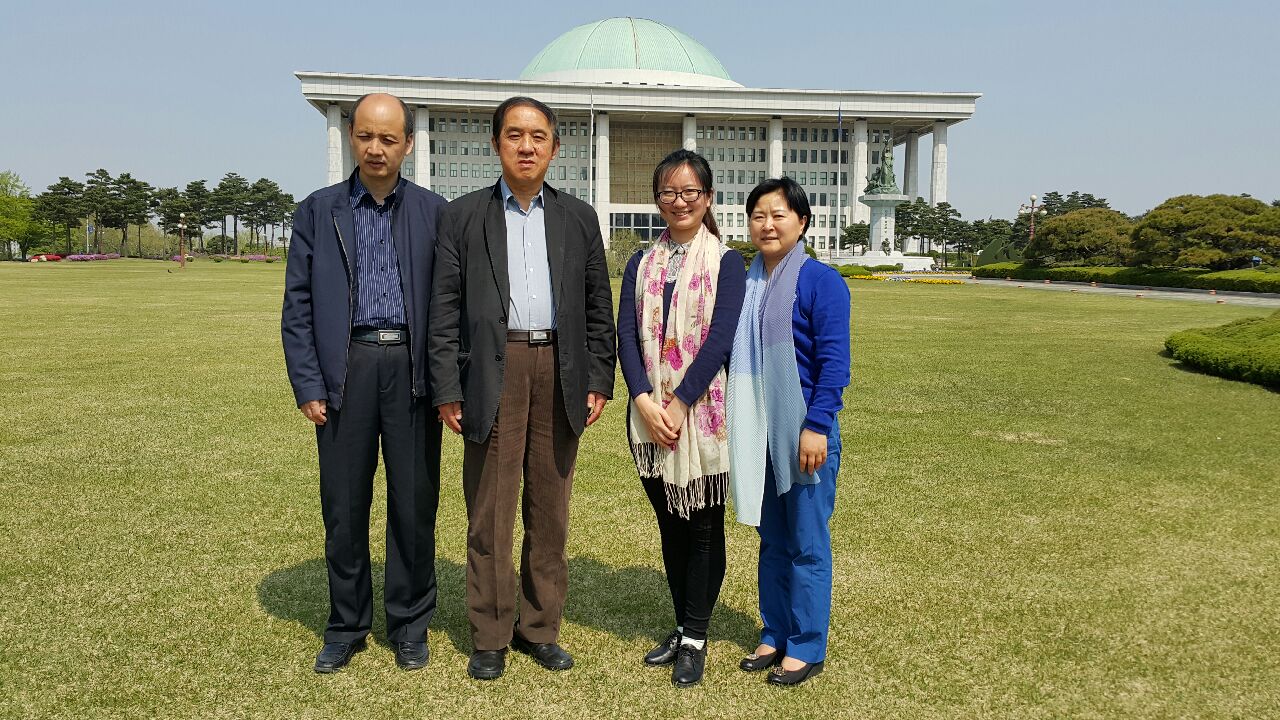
(1032, 210)
(182, 229)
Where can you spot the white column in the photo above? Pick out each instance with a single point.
(422, 147)
(775, 147)
(938, 176)
(602, 174)
(333, 118)
(911, 166)
(861, 213)
(348, 163)
(690, 133)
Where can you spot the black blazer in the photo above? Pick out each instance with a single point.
(471, 296)
(315, 324)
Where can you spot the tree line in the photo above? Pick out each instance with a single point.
(124, 202)
(943, 226)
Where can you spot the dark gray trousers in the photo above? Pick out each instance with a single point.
(378, 404)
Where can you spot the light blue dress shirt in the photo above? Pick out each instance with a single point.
(529, 270)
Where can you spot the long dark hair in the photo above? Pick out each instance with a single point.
(700, 168)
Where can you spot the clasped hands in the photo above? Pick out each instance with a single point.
(451, 412)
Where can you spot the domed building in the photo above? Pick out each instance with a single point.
(627, 91)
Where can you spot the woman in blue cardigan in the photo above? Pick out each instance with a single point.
(788, 370)
(680, 302)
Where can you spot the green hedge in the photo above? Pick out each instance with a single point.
(851, 270)
(1242, 280)
(1246, 350)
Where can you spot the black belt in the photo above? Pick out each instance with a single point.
(532, 337)
(380, 336)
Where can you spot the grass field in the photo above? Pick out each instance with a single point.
(1039, 516)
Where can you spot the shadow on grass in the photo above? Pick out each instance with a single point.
(630, 603)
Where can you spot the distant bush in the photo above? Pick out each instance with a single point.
(1241, 280)
(886, 268)
(1247, 350)
(853, 270)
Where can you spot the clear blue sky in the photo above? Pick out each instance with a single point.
(1132, 101)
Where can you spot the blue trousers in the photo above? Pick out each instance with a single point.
(795, 561)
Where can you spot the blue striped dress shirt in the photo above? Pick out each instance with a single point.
(528, 268)
(379, 299)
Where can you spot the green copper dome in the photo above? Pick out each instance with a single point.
(630, 50)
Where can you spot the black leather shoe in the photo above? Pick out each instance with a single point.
(664, 653)
(487, 664)
(778, 676)
(412, 655)
(689, 664)
(549, 655)
(756, 663)
(335, 655)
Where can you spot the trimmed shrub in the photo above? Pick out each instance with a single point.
(853, 270)
(896, 267)
(1241, 280)
(1247, 350)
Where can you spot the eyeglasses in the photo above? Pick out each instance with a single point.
(666, 197)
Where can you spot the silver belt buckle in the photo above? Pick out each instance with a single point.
(385, 336)
(539, 337)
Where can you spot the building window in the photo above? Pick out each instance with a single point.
(822, 199)
(824, 157)
(733, 133)
(720, 133)
(453, 169)
(875, 157)
(804, 156)
(742, 177)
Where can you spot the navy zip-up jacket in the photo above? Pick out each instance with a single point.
(315, 324)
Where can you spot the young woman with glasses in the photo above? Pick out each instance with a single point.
(677, 314)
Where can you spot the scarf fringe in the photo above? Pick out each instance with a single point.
(703, 492)
(649, 458)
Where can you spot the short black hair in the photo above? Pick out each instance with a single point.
(792, 193)
(700, 168)
(408, 114)
(500, 115)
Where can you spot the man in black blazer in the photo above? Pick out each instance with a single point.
(354, 327)
(522, 355)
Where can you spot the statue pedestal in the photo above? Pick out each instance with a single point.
(883, 210)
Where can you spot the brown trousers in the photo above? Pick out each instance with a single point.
(531, 435)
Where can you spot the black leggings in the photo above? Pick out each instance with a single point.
(693, 554)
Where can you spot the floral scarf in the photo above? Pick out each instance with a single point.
(694, 470)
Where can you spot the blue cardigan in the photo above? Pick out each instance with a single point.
(820, 328)
(731, 287)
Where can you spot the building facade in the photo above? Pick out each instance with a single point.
(628, 91)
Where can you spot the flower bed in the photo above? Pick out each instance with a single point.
(246, 258)
(45, 257)
(93, 256)
(933, 281)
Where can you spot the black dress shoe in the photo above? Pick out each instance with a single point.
(756, 663)
(778, 676)
(690, 662)
(487, 664)
(549, 655)
(412, 655)
(664, 653)
(335, 655)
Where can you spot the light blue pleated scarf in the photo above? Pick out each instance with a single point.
(764, 396)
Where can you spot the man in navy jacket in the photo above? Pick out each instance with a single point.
(354, 327)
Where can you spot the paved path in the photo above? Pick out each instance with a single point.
(1223, 297)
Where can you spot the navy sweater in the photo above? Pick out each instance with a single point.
(714, 353)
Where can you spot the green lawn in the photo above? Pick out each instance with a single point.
(1039, 516)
